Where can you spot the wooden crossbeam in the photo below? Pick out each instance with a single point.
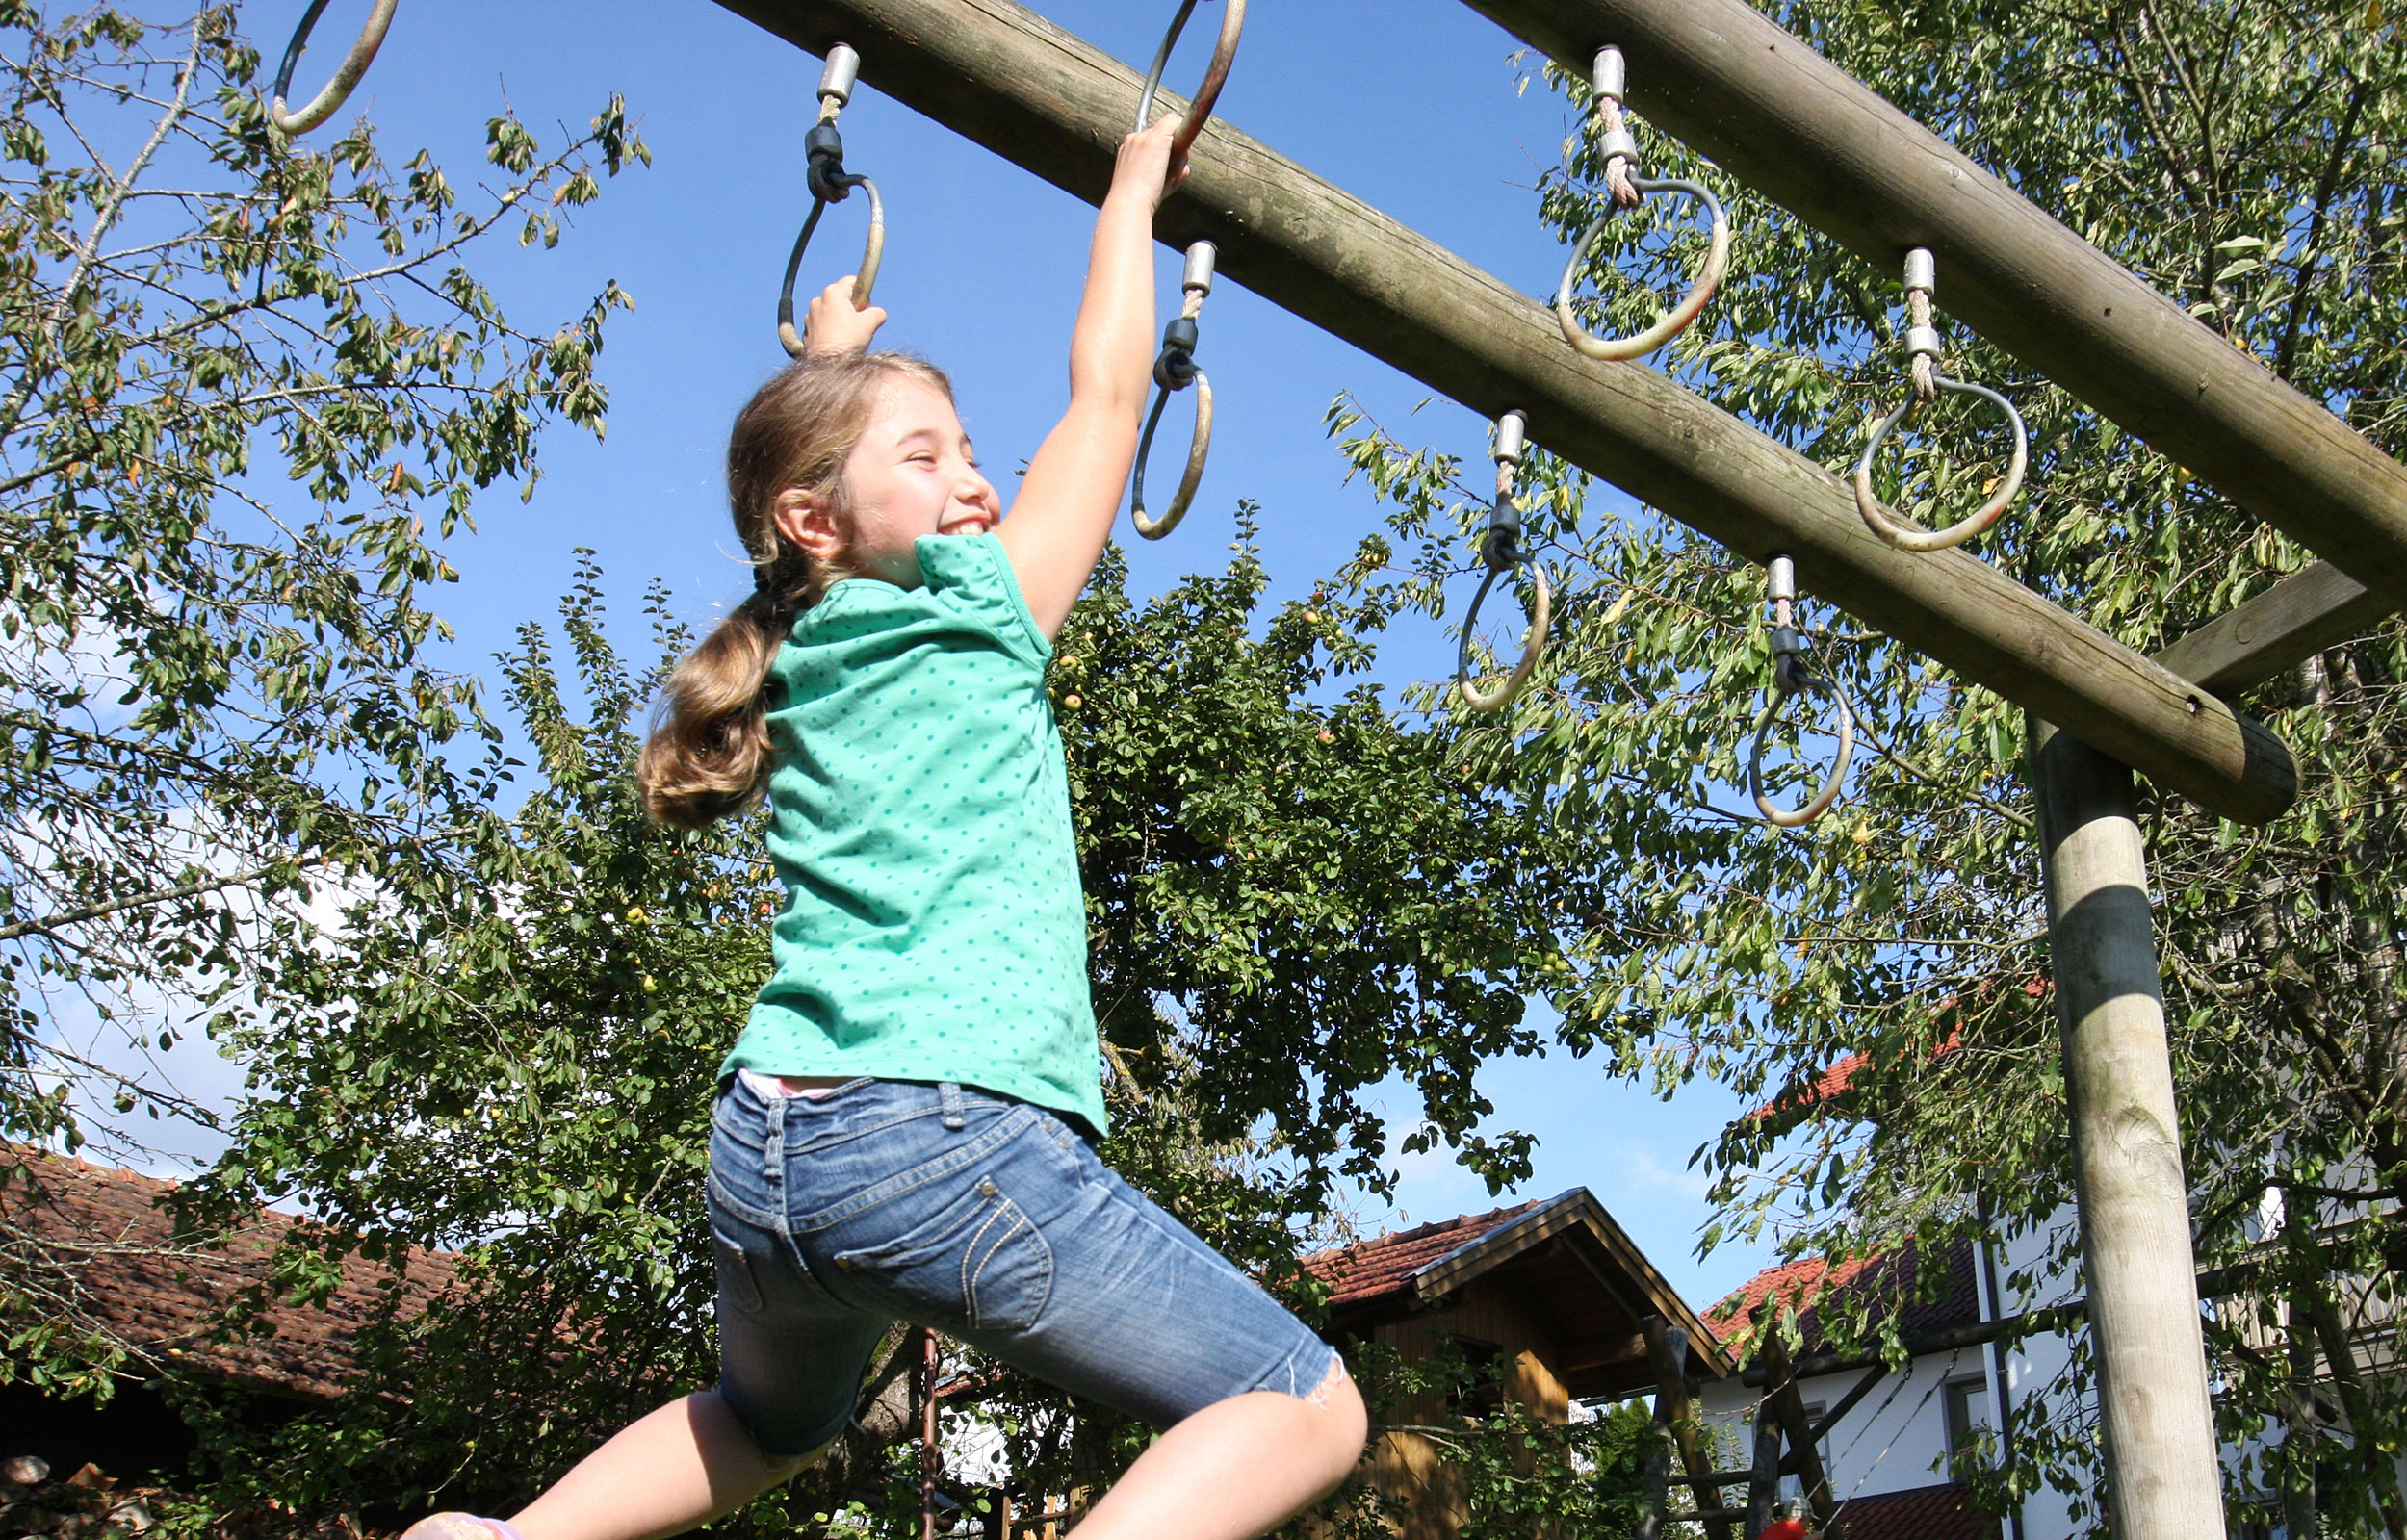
(1778, 116)
(999, 74)
(2315, 607)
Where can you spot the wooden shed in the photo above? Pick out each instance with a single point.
(1554, 1292)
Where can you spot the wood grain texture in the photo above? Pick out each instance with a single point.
(1006, 78)
(2164, 1480)
(1778, 116)
(2315, 607)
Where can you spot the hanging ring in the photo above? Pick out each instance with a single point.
(1542, 608)
(1215, 75)
(1807, 812)
(1906, 535)
(1173, 370)
(328, 101)
(1672, 321)
(1501, 551)
(871, 254)
(1151, 527)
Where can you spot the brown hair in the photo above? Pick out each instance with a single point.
(708, 753)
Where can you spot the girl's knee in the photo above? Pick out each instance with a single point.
(1341, 1406)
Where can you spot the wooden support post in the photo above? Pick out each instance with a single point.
(1667, 1350)
(1778, 116)
(1763, 1484)
(2164, 1480)
(1003, 76)
(1788, 1403)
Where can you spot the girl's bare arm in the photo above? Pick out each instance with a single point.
(1067, 501)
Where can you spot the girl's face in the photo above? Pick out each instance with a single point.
(913, 473)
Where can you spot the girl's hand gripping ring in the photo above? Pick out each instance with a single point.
(1215, 75)
(1173, 370)
(1621, 149)
(830, 183)
(1502, 550)
(1922, 348)
(325, 104)
(1790, 679)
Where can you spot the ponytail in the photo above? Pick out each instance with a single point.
(709, 754)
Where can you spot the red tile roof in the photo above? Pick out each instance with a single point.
(1887, 1279)
(116, 1250)
(1368, 1269)
(1924, 1513)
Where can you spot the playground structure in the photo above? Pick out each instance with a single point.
(1768, 109)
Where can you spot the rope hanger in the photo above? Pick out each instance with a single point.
(1174, 369)
(824, 147)
(1625, 188)
(1502, 550)
(1921, 351)
(337, 90)
(1790, 679)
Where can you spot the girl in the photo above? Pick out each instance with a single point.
(902, 1129)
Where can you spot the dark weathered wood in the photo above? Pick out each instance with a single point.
(1805, 1454)
(1780, 117)
(2313, 609)
(1763, 1482)
(1666, 1349)
(2165, 1481)
(1004, 77)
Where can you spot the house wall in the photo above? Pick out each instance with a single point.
(1893, 1440)
(1407, 1468)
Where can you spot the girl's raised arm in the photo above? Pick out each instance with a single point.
(1068, 500)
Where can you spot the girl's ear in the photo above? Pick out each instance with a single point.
(808, 525)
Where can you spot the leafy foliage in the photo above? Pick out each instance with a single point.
(238, 376)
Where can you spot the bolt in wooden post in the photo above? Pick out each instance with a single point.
(2164, 1480)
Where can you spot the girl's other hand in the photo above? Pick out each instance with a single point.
(833, 327)
(1144, 170)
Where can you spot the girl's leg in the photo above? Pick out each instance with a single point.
(1236, 1469)
(681, 1466)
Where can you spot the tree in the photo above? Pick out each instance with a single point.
(240, 376)
(2244, 158)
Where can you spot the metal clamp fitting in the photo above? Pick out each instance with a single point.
(1922, 349)
(1174, 369)
(1790, 678)
(1215, 75)
(1617, 141)
(823, 148)
(324, 105)
(1501, 551)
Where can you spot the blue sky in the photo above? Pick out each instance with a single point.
(1429, 114)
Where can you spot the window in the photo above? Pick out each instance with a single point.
(1481, 1393)
(1794, 1485)
(1966, 1410)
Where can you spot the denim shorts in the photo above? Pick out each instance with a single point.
(986, 1219)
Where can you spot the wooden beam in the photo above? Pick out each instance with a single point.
(1778, 116)
(2315, 607)
(1003, 76)
(1666, 1349)
(1789, 1405)
(2164, 1480)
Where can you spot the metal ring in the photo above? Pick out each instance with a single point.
(1905, 535)
(1215, 74)
(1152, 528)
(1672, 321)
(1814, 808)
(862, 281)
(355, 63)
(1542, 608)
